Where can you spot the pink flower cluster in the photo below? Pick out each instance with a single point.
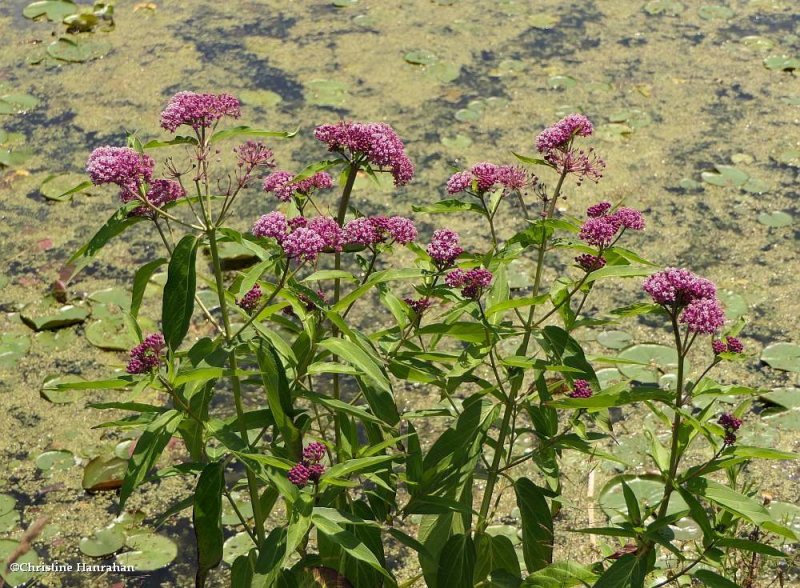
(580, 389)
(559, 135)
(731, 345)
(249, 302)
(731, 424)
(146, 356)
(198, 110)
(601, 228)
(418, 305)
(254, 154)
(681, 289)
(282, 184)
(309, 469)
(484, 177)
(472, 282)
(589, 262)
(444, 248)
(160, 193)
(377, 142)
(119, 165)
(305, 239)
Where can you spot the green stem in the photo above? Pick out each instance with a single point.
(252, 483)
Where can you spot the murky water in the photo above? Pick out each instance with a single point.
(673, 93)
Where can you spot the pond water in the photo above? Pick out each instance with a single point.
(674, 89)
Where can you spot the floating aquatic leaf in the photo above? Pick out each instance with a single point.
(759, 434)
(111, 334)
(690, 185)
(509, 531)
(782, 356)
(715, 12)
(509, 67)
(9, 546)
(614, 132)
(14, 157)
(229, 516)
(784, 397)
(104, 473)
(791, 100)
(60, 187)
(782, 63)
(149, 552)
(606, 377)
(647, 489)
(236, 545)
(443, 72)
(561, 82)
(614, 339)
(103, 542)
(657, 359)
(116, 296)
(775, 219)
(77, 50)
(667, 7)
(53, 461)
(784, 412)
(787, 514)
(467, 115)
(326, 93)
(13, 347)
(344, 3)
(9, 518)
(758, 43)
(458, 142)
(260, 98)
(123, 449)
(495, 103)
(17, 104)
(734, 304)
(756, 186)
(726, 176)
(53, 10)
(365, 20)
(543, 21)
(7, 503)
(634, 118)
(3, 137)
(43, 316)
(51, 393)
(789, 157)
(420, 57)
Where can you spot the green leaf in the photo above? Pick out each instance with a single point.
(178, 303)
(148, 449)
(537, 525)
(457, 562)
(713, 580)
(461, 330)
(115, 225)
(53, 10)
(618, 271)
(449, 206)
(563, 574)
(747, 545)
(531, 160)
(348, 542)
(632, 504)
(494, 552)
(352, 466)
(607, 400)
(270, 559)
(565, 350)
(245, 131)
(279, 398)
(627, 572)
(207, 519)
(140, 280)
(155, 144)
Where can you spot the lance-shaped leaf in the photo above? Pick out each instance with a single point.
(537, 525)
(207, 519)
(178, 302)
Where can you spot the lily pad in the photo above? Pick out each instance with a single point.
(458, 142)
(236, 545)
(756, 186)
(543, 21)
(9, 546)
(782, 63)
(14, 157)
(784, 410)
(104, 473)
(326, 93)
(614, 339)
(734, 304)
(787, 514)
(467, 115)
(54, 461)
(789, 157)
(560, 82)
(149, 552)
(715, 12)
(666, 7)
(775, 219)
(782, 356)
(229, 516)
(53, 10)
(117, 296)
(614, 132)
(509, 67)
(77, 50)
(690, 185)
(111, 334)
(344, 3)
(420, 57)
(260, 98)
(633, 117)
(648, 490)
(443, 72)
(13, 347)
(365, 20)
(103, 542)
(60, 187)
(656, 359)
(607, 377)
(44, 316)
(9, 518)
(757, 43)
(726, 176)
(784, 397)
(509, 531)
(17, 103)
(51, 393)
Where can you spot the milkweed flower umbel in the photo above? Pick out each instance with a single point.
(309, 469)
(678, 286)
(249, 302)
(601, 228)
(486, 177)
(555, 145)
(122, 166)
(472, 282)
(198, 110)
(378, 143)
(444, 248)
(730, 424)
(703, 316)
(589, 262)
(146, 356)
(303, 244)
(283, 185)
(580, 389)
(271, 225)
